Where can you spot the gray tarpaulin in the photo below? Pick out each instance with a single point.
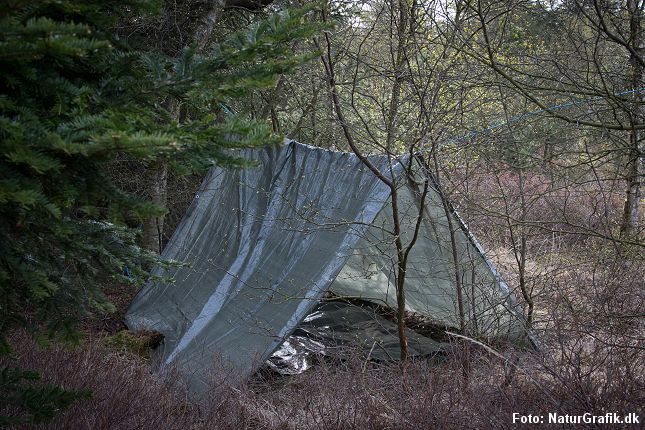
(265, 243)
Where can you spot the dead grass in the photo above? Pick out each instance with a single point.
(346, 395)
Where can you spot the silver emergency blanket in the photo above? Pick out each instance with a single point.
(263, 244)
(338, 331)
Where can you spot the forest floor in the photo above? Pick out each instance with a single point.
(577, 371)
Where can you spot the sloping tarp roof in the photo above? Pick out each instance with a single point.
(264, 244)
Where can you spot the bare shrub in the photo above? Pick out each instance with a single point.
(352, 395)
(126, 395)
(348, 395)
(554, 211)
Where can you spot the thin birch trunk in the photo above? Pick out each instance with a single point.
(153, 228)
(635, 158)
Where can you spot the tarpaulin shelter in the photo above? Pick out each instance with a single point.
(264, 244)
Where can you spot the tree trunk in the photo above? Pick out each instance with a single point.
(153, 227)
(391, 132)
(635, 167)
(152, 238)
(207, 25)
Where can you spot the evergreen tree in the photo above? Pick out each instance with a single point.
(72, 96)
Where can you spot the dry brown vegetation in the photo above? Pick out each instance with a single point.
(589, 300)
(569, 377)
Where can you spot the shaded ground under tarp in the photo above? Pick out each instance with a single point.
(339, 330)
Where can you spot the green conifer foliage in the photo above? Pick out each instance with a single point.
(72, 96)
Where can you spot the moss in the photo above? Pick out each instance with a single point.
(138, 343)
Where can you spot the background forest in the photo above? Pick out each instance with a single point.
(530, 114)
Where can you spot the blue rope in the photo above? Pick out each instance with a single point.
(226, 109)
(522, 117)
